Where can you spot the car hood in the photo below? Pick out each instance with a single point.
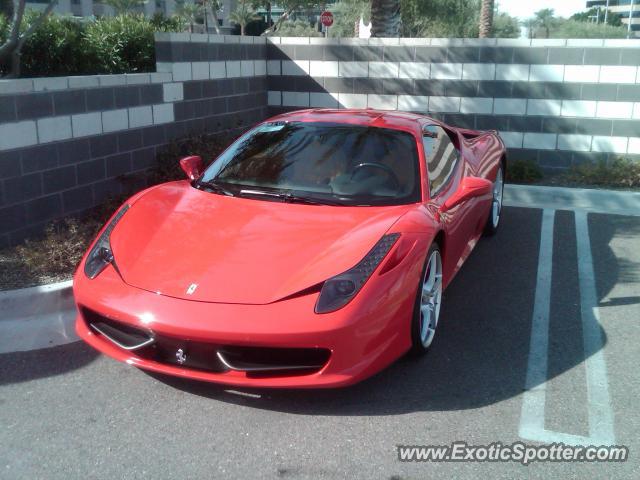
(186, 243)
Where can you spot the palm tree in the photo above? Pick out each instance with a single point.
(242, 15)
(531, 24)
(545, 18)
(215, 7)
(486, 18)
(385, 18)
(190, 12)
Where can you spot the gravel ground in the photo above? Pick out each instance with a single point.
(15, 274)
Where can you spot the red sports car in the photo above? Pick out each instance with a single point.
(313, 252)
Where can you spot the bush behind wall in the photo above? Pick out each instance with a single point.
(65, 45)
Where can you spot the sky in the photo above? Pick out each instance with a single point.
(526, 8)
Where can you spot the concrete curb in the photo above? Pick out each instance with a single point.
(610, 202)
(37, 317)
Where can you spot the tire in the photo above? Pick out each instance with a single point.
(422, 334)
(495, 212)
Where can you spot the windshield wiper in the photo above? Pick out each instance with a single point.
(215, 187)
(288, 197)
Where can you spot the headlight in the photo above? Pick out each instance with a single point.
(101, 255)
(339, 290)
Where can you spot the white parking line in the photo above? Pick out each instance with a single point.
(532, 418)
(533, 404)
(600, 414)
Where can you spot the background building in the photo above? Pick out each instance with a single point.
(629, 11)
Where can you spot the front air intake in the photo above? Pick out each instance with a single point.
(121, 334)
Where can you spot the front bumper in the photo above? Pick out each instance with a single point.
(363, 337)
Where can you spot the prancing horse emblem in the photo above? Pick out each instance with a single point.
(181, 356)
(192, 288)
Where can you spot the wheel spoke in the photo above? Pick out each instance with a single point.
(430, 299)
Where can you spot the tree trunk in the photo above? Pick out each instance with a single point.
(242, 25)
(276, 25)
(214, 14)
(486, 18)
(10, 50)
(15, 64)
(385, 18)
(269, 18)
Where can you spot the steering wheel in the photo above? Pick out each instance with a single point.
(386, 168)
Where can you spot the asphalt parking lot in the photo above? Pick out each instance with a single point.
(538, 343)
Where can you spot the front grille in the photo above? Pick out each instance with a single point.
(184, 353)
(210, 357)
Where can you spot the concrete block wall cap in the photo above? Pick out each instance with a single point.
(585, 42)
(199, 38)
(324, 41)
(354, 41)
(514, 42)
(412, 42)
(294, 40)
(622, 42)
(447, 42)
(16, 85)
(162, 36)
(548, 42)
(480, 42)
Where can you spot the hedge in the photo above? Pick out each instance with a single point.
(65, 45)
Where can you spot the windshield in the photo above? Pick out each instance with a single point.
(347, 164)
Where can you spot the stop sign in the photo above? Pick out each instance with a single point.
(326, 18)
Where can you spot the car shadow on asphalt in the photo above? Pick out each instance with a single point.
(481, 350)
(19, 367)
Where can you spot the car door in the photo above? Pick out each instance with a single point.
(446, 167)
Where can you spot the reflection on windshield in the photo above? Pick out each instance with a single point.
(350, 163)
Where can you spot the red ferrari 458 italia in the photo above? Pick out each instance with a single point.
(313, 252)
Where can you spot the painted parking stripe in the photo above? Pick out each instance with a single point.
(600, 413)
(533, 405)
(532, 418)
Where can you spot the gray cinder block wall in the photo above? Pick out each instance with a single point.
(65, 141)
(557, 102)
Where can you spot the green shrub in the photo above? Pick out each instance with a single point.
(523, 171)
(575, 29)
(620, 173)
(53, 48)
(297, 28)
(120, 44)
(4, 28)
(67, 46)
(162, 23)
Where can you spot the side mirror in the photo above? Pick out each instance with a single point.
(192, 166)
(470, 187)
